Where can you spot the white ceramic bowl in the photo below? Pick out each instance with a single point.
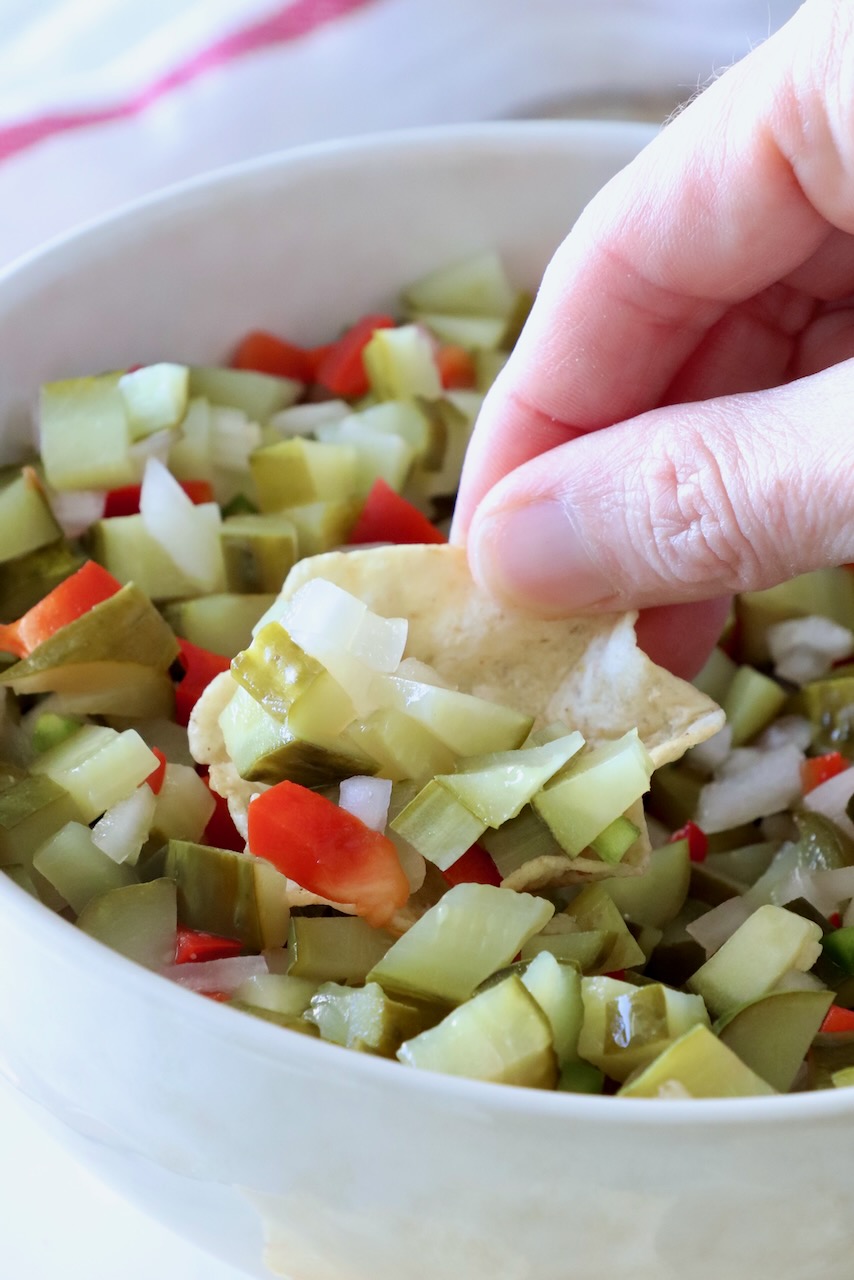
(259, 1144)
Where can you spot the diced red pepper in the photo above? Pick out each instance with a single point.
(698, 841)
(619, 975)
(328, 851)
(200, 667)
(387, 517)
(342, 370)
(191, 946)
(125, 501)
(221, 831)
(221, 997)
(155, 778)
(838, 1019)
(818, 769)
(79, 593)
(835, 920)
(263, 352)
(474, 867)
(456, 368)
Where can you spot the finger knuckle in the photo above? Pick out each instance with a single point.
(701, 525)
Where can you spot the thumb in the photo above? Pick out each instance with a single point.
(682, 503)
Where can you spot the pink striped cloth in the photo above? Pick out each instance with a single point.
(102, 104)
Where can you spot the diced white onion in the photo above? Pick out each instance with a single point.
(75, 510)
(157, 445)
(831, 798)
(367, 799)
(216, 975)
(805, 649)
(714, 928)
(379, 642)
(173, 521)
(828, 891)
(321, 616)
(233, 438)
(765, 782)
(796, 730)
(124, 828)
(422, 673)
(304, 419)
(168, 737)
(710, 755)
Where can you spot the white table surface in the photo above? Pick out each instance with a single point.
(56, 1220)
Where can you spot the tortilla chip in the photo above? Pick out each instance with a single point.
(585, 671)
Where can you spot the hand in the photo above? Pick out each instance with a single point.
(677, 420)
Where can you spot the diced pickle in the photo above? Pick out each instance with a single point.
(29, 578)
(657, 896)
(334, 948)
(124, 546)
(229, 894)
(78, 870)
(294, 472)
(556, 988)
(26, 520)
(275, 670)
(221, 623)
(698, 1065)
(85, 434)
(495, 787)
(347, 1015)
(595, 909)
(772, 1035)
(139, 921)
(438, 825)
(31, 811)
(258, 550)
(258, 395)
(752, 701)
(323, 526)
(403, 748)
(501, 1035)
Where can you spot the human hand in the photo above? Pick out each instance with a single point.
(676, 422)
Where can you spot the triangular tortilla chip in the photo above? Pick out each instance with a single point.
(585, 671)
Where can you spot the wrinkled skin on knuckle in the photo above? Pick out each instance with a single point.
(701, 515)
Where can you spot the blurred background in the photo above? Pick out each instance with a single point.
(102, 101)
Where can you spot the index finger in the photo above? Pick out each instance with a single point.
(736, 193)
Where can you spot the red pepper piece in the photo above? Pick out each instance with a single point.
(221, 831)
(79, 593)
(328, 851)
(387, 517)
(125, 501)
(456, 368)
(342, 370)
(819, 769)
(155, 778)
(698, 841)
(200, 667)
(474, 867)
(263, 352)
(221, 997)
(838, 1019)
(191, 946)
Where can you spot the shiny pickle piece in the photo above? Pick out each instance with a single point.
(476, 285)
(612, 844)
(496, 787)
(500, 1035)
(275, 670)
(155, 398)
(697, 1065)
(85, 434)
(26, 520)
(323, 526)
(334, 948)
(29, 578)
(593, 908)
(468, 725)
(772, 1035)
(585, 948)
(519, 841)
(284, 1020)
(258, 395)
(752, 701)
(596, 787)
(138, 920)
(279, 993)
(97, 767)
(403, 748)
(259, 551)
(264, 749)
(77, 869)
(221, 623)
(438, 825)
(606, 1021)
(658, 895)
(821, 845)
(556, 988)
(124, 628)
(292, 473)
(400, 365)
(232, 895)
(31, 811)
(472, 931)
(829, 705)
(367, 1018)
(716, 676)
(753, 960)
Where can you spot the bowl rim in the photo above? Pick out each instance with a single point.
(56, 936)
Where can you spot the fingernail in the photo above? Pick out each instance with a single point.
(533, 557)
